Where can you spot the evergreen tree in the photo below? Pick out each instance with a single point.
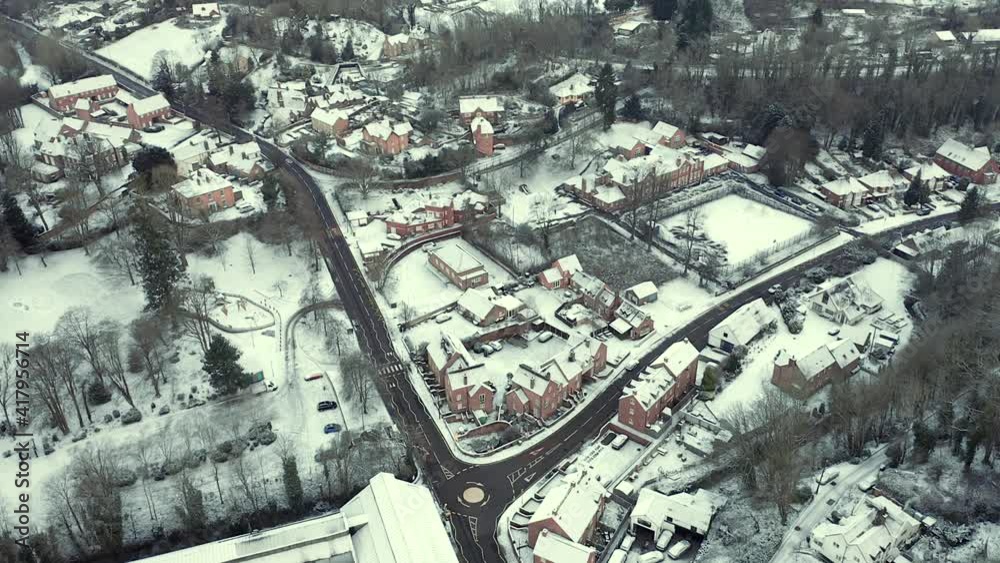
(348, 53)
(293, 483)
(971, 205)
(912, 195)
(160, 265)
(817, 17)
(191, 509)
(871, 140)
(663, 10)
(222, 364)
(924, 442)
(606, 94)
(632, 109)
(18, 225)
(696, 18)
(269, 190)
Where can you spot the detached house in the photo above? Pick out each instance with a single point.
(205, 192)
(659, 513)
(876, 532)
(462, 268)
(330, 122)
(670, 378)
(571, 510)
(142, 113)
(574, 89)
(484, 309)
(488, 107)
(539, 391)
(959, 159)
(403, 43)
(244, 160)
(834, 361)
(63, 97)
(561, 272)
(846, 301)
(670, 135)
(641, 293)
(553, 548)
(597, 295)
(384, 137)
(631, 321)
(742, 327)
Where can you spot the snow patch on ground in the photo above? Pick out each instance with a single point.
(186, 45)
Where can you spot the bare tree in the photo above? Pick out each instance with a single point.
(363, 178)
(121, 254)
(250, 253)
(689, 237)
(60, 359)
(145, 334)
(208, 435)
(111, 356)
(17, 162)
(8, 384)
(196, 303)
(78, 326)
(357, 371)
(49, 387)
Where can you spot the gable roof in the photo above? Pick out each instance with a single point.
(678, 357)
(665, 129)
(329, 117)
(568, 264)
(156, 102)
(382, 129)
(643, 290)
(488, 104)
(482, 125)
(476, 302)
(745, 324)
(82, 85)
(689, 511)
(573, 504)
(557, 549)
(964, 155)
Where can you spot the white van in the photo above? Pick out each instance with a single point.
(619, 442)
(618, 556)
(627, 542)
(651, 557)
(679, 549)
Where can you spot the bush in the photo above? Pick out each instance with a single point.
(267, 438)
(131, 417)
(125, 477)
(218, 457)
(173, 467)
(98, 393)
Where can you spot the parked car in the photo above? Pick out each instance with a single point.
(496, 345)
(619, 442)
(632, 365)
(651, 557)
(679, 549)
(442, 318)
(545, 336)
(331, 428)
(627, 542)
(314, 376)
(664, 541)
(326, 406)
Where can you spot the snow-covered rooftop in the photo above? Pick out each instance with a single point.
(557, 549)
(202, 181)
(966, 156)
(576, 85)
(573, 504)
(383, 128)
(329, 117)
(152, 104)
(745, 324)
(488, 104)
(82, 85)
(689, 511)
(482, 125)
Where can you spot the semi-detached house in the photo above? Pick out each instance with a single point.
(959, 159)
(658, 389)
(540, 390)
(571, 510)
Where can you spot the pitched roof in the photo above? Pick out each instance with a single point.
(572, 504)
(643, 290)
(665, 129)
(568, 264)
(82, 85)
(678, 357)
(457, 258)
(329, 117)
(845, 186)
(383, 129)
(966, 156)
(489, 104)
(202, 181)
(576, 85)
(745, 324)
(482, 125)
(154, 103)
(686, 510)
(476, 302)
(557, 549)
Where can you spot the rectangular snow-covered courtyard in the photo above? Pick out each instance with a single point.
(744, 227)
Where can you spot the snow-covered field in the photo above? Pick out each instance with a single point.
(183, 44)
(744, 226)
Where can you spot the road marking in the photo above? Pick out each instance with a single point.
(447, 473)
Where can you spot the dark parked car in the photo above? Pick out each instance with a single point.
(327, 405)
(331, 428)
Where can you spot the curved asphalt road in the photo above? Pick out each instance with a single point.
(475, 527)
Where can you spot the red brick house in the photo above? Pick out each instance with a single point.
(631, 321)
(571, 510)
(487, 107)
(205, 192)
(561, 272)
(439, 214)
(462, 268)
(553, 548)
(653, 175)
(959, 159)
(670, 136)
(483, 308)
(403, 43)
(142, 113)
(469, 390)
(383, 137)
(671, 376)
(834, 361)
(62, 97)
(482, 135)
(84, 108)
(607, 198)
(596, 295)
(330, 122)
(446, 353)
(540, 391)
(844, 193)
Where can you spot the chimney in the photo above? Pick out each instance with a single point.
(206, 144)
(532, 382)
(230, 149)
(465, 380)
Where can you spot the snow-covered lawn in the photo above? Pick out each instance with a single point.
(186, 45)
(414, 282)
(744, 226)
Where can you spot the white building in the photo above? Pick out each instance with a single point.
(875, 532)
(740, 328)
(206, 10)
(389, 521)
(658, 513)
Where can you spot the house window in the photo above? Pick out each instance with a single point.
(482, 399)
